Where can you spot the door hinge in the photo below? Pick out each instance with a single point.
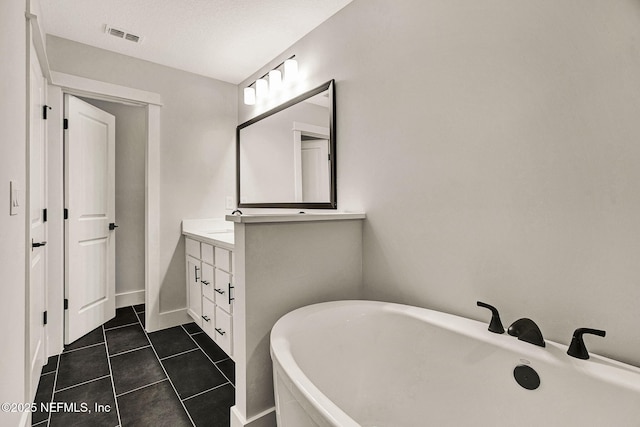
(44, 318)
(65, 124)
(66, 213)
(44, 111)
(329, 157)
(66, 304)
(44, 215)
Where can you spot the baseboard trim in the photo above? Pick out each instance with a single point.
(263, 419)
(126, 299)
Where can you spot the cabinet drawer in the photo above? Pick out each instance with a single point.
(224, 290)
(224, 331)
(207, 253)
(223, 259)
(192, 247)
(207, 281)
(208, 317)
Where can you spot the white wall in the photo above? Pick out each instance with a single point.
(198, 121)
(12, 228)
(493, 145)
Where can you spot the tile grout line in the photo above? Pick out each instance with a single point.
(82, 348)
(53, 391)
(83, 383)
(206, 391)
(131, 350)
(121, 326)
(113, 386)
(140, 388)
(210, 360)
(165, 372)
(179, 354)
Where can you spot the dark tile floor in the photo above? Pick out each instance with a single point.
(120, 375)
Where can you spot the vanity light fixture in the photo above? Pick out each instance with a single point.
(260, 89)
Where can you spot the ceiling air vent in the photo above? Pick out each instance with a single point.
(122, 34)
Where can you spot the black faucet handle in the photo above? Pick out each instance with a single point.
(577, 347)
(495, 325)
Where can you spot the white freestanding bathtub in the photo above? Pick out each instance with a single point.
(365, 363)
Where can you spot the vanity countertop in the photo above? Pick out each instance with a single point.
(298, 217)
(217, 232)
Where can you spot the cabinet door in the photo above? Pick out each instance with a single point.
(223, 258)
(208, 317)
(207, 253)
(224, 290)
(224, 331)
(194, 292)
(207, 281)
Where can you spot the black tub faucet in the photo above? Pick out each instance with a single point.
(577, 347)
(495, 325)
(526, 330)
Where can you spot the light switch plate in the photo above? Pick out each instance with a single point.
(14, 204)
(229, 202)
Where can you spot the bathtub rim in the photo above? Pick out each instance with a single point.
(326, 413)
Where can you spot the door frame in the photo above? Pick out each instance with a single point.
(59, 85)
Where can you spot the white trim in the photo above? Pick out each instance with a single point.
(38, 43)
(95, 89)
(55, 209)
(126, 299)
(67, 83)
(265, 418)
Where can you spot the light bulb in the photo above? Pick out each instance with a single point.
(290, 70)
(249, 96)
(275, 79)
(262, 88)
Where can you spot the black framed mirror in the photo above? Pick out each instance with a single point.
(285, 158)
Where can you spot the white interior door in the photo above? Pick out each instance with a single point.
(90, 200)
(315, 170)
(37, 224)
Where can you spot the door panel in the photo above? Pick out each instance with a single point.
(315, 170)
(37, 225)
(90, 200)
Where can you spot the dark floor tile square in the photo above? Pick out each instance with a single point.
(96, 392)
(210, 347)
(135, 369)
(125, 338)
(192, 373)
(211, 409)
(82, 365)
(43, 395)
(168, 342)
(156, 405)
(52, 364)
(139, 308)
(192, 328)
(93, 337)
(124, 316)
(228, 368)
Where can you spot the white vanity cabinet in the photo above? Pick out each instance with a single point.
(210, 289)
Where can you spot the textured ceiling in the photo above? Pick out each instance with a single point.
(224, 39)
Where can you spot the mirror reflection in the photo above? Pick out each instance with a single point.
(285, 156)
